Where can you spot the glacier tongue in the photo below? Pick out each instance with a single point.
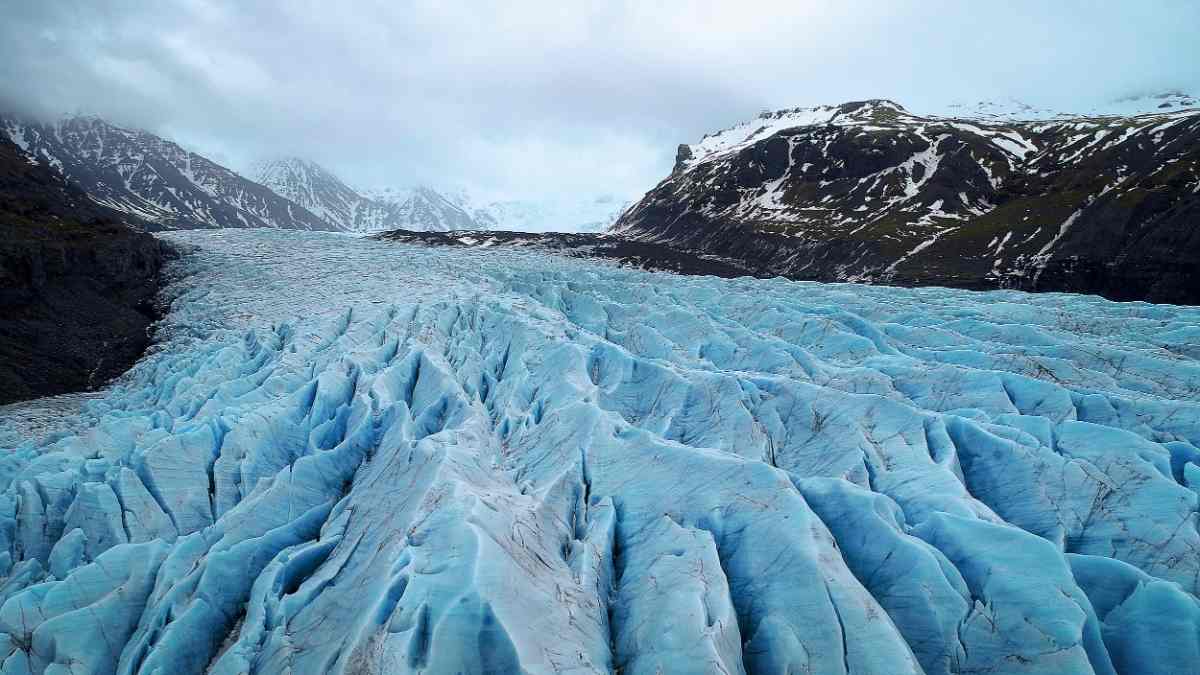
(359, 456)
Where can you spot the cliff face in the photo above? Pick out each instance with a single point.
(870, 192)
(77, 285)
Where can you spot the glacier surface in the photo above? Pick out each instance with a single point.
(349, 455)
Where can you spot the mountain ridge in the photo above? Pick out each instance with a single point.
(77, 283)
(145, 175)
(320, 190)
(595, 214)
(868, 191)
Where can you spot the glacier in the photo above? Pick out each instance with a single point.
(355, 456)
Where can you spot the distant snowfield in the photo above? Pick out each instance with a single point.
(358, 456)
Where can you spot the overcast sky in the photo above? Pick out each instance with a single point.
(555, 99)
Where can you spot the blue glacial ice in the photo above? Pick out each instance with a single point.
(352, 456)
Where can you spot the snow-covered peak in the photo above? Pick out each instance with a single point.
(1013, 110)
(769, 123)
(389, 195)
(585, 214)
(283, 169)
(593, 213)
(312, 186)
(434, 210)
(319, 190)
(746, 133)
(990, 117)
(1008, 109)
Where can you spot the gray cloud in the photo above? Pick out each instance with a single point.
(552, 99)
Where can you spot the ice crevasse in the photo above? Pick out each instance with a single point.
(353, 456)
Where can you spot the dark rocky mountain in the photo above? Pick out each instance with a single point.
(642, 254)
(870, 192)
(425, 209)
(138, 173)
(317, 189)
(77, 284)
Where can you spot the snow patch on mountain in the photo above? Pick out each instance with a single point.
(747, 133)
(869, 191)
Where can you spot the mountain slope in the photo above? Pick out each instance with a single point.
(869, 192)
(311, 186)
(1014, 110)
(77, 284)
(141, 174)
(424, 209)
(320, 191)
(579, 216)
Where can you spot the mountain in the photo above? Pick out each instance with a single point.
(868, 191)
(320, 191)
(353, 456)
(313, 187)
(1012, 109)
(77, 283)
(141, 174)
(591, 245)
(166, 187)
(424, 209)
(586, 215)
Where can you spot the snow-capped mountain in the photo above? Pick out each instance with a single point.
(869, 191)
(424, 209)
(77, 283)
(136, 172)
(320, 191)
(463, 210)
(150, 178)
(584, 215)
(1011, 109)
(1148, 103)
